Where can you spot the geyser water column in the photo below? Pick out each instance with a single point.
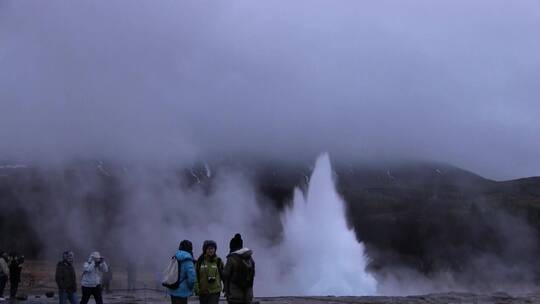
(325, 256)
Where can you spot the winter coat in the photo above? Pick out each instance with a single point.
(92, 274)
(4, 269)
(15, 269)
(187, 275)
(208, 276)
(65, 276)
(233, 292)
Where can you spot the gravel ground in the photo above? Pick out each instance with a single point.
(154, 297)
(38, 278)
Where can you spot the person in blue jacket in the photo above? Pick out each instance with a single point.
(187, 275)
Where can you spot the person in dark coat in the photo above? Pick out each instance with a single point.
(239, 273)
(66, 279)
(16, 262)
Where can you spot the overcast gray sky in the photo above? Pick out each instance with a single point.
(449, 80)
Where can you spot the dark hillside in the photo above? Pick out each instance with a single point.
(424, 216)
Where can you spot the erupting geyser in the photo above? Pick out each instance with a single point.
(326, 258)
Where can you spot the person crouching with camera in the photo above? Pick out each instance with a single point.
(209, 268)
(93, 271)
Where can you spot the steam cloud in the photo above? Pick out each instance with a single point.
(153, 212)
(173, 82)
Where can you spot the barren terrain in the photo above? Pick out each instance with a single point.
(38, 279)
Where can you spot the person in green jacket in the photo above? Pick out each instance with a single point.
(209, 269)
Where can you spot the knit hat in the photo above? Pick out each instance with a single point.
(186, 246)
(207, 244)
(236, 243)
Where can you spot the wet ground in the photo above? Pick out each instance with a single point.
(154, 297)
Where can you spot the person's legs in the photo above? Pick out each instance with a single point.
(72, 297)
(3, 281)
(213, 298)
(97, 292)
(62, 294)
(203, 299)
(86, 292)
(178, 300)
(13, 289)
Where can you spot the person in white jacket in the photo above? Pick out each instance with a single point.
(93, 270)
(4, 273)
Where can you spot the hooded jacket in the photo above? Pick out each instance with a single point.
(65, 276)
(233, 292)
(187, 275)
(93, 273)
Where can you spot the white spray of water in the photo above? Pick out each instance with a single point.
(326, 257)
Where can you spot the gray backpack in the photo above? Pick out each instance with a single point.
(171, 274)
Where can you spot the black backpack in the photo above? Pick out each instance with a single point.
(244, 274)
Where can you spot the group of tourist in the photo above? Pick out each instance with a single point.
(91, 281)
(207, 276)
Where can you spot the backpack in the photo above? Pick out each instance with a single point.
(171, 274)
(244, 274)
